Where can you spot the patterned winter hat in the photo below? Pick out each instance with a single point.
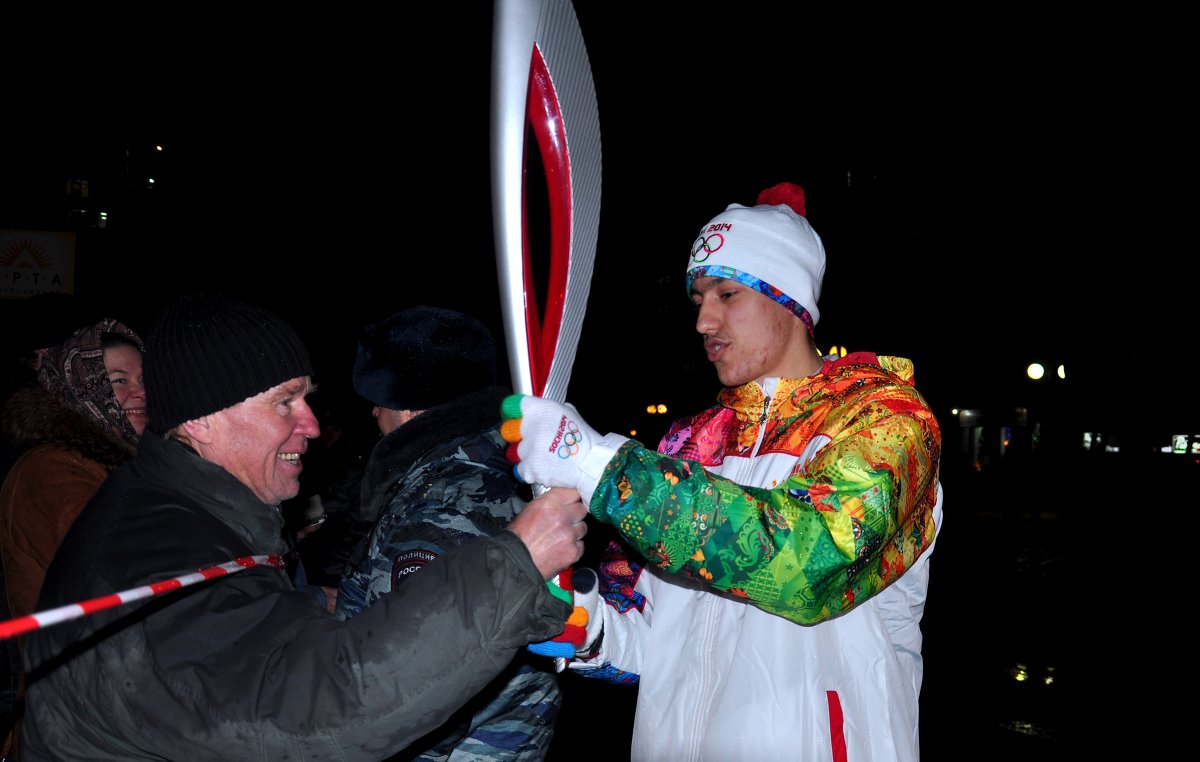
(769, 247)
(73, 371)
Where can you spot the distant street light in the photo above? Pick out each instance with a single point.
(1037, 371)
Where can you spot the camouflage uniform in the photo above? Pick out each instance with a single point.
(438, 480)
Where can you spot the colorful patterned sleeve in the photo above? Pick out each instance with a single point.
(840, 530)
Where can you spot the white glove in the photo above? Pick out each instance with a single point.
(553, 446)
(587, 597)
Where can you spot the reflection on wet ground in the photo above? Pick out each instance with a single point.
(995, 639)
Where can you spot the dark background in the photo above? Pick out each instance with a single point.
(993, 186)
(990, 190)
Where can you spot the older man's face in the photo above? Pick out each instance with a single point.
(260, 440)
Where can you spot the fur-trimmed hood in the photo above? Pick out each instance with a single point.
(32, 416)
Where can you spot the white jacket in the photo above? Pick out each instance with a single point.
(723, 680)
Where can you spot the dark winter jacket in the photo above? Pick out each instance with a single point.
(244, 667)
(437, 481)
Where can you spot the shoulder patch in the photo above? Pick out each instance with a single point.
(410, 561)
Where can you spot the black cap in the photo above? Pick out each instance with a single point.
(205, 353)
(422, 357)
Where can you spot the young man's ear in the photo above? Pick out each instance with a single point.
(198, 430)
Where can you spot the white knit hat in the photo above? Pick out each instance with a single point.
(769, 247)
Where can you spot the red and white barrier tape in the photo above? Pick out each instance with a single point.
(75, 610)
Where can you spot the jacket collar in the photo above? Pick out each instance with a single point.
(180, 469)
(432, 431)
(32, 416)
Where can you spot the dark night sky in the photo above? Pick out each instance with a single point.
(986, 188)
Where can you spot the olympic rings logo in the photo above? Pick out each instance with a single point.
(707, 244)
(570, 441)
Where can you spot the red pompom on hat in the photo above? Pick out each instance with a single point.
(769, 247)
(788, 194)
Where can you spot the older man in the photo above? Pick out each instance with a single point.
(245, 666)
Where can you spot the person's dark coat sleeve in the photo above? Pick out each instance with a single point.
(451, 629)
(245, 666)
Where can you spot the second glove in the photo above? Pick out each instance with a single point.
(583, 627)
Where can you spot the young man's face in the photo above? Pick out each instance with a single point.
(261, 439)
(747, 335)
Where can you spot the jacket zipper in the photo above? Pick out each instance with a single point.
(762, 427)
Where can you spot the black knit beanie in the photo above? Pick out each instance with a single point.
(423, 357)
(206, 353)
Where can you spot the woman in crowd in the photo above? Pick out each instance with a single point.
(77, 423)
(80, 421)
